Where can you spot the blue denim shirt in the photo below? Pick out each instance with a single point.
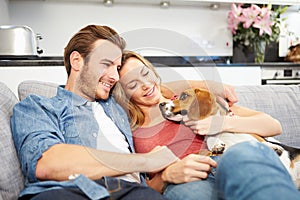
(39, 123)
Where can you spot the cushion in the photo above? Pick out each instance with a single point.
(11, 178)
(28, 87)
(281, 102)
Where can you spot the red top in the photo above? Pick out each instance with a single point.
(177, 137)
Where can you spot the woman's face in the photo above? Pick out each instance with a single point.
(140, 83)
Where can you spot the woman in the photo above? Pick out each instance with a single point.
(139, 92)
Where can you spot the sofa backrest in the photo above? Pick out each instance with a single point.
(281, 102)
(28, 87)
(11, 177)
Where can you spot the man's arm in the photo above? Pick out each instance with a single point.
(62, 160)
(40, 142)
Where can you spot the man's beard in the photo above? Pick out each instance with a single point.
(85, 85)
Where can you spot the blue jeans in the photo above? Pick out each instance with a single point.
(118, 189)
(247, 170)
(203, 189)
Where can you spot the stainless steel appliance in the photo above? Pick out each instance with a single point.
(281, 75)
(18, 41)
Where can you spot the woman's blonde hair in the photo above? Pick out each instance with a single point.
(135, 114)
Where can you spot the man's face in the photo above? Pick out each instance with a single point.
(100, 74)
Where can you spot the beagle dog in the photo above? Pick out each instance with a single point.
(198, 104)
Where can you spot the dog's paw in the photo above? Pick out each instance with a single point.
(278, 149)
(218, 148)
(215, 145)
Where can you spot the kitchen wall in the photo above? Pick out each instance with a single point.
(4, 16)
(58, 21)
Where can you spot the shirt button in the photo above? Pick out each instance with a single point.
(95, 134)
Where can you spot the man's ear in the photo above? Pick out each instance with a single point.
(76, 60)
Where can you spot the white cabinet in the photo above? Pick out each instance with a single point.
(241, 75)
(233, 75)
(12, 76)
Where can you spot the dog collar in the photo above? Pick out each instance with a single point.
(174, 97)
(231, 113)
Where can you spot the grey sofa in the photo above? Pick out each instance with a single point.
(281, 102)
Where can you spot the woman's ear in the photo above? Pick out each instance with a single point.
(76, 60)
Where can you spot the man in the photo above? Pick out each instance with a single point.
(78, 144)
(65, 144)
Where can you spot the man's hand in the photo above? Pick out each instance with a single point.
(225, 93)
(191, 168)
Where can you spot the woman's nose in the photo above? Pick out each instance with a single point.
(146, 85)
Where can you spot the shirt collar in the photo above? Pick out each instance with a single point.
(62, 93)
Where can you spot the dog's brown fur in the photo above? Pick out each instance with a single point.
(199, 103)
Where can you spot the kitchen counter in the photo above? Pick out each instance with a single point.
(31, 61)
(157, 61)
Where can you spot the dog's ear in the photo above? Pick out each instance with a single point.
(202, 105)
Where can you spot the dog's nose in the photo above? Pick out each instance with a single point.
(162, 104)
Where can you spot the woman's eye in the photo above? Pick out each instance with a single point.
(131, 86)
(145, 73)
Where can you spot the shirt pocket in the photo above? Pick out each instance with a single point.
(70, 133)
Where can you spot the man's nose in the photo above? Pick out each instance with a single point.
(114, 73)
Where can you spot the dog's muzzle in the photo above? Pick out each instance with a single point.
(166, 109)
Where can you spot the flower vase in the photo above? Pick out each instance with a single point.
(259, 51)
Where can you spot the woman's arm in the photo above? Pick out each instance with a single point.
(250, 121)
(244, 120)
(225, 93)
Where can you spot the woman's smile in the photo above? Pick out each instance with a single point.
(150, 92)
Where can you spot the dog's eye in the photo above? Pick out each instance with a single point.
(183, 96)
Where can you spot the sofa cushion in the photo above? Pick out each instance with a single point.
(281, 102)
(46, 89)
(11, 177)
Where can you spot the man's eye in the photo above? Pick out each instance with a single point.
(106, 64)
(183, 96)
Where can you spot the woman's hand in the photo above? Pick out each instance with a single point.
(209, 126)
(191, 168)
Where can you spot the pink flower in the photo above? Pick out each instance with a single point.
(233, 23)
(234, 18)
(264, 25)
(253, 24)
(236, 10)
(250, 15)
(265, 11)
